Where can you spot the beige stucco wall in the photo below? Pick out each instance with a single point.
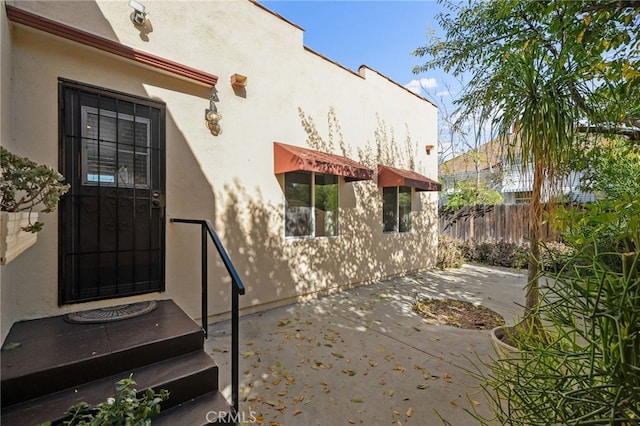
(7, 291)
(228, 179)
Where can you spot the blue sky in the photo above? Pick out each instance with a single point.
(379, 34)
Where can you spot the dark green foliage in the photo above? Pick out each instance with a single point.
(124, 409)
(470, 194)
(587, 370)
(25, 184)
(499, 253)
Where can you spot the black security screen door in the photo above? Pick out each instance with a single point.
(112, 219)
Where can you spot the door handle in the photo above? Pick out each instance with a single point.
(157, 199)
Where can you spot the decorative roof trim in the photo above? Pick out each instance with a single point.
(41, 23)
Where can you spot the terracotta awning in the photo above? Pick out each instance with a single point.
(390, 176)
(289, 158)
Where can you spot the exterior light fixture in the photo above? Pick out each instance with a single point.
(139, 16)
(212, 116)
(428, 148)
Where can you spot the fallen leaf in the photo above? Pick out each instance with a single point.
(249, 343)
(454, 403)
(399, 367)
(391, 392)
(283, 393)
(247, 354)
(410, 412)
(350, 373)
(373, 363)
(357, 401)
(423, 386)
(273, 403)
(351, 422)
(295, 413)
(284, 322)
(396, 412)
(475, 403)
(337, 355)
(447, 377)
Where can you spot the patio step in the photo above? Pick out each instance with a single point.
(59, 364)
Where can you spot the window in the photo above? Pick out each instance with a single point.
(396, 209)
(116, 149)
(311, 204)
(522, 197)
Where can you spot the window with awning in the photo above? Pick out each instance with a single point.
(397, 190)
(311, 187)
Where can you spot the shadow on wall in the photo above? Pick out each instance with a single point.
(278, 269)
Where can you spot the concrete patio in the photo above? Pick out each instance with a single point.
(363, 356)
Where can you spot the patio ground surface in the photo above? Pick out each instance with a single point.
(363, 356)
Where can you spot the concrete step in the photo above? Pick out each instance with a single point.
(55, 355)
(185, 377)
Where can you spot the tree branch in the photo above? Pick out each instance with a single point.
(628, 132)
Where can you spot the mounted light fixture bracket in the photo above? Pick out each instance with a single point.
(212, 116)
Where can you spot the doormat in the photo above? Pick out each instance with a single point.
(111, 313)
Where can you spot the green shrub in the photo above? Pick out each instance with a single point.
(125, 408)
(555, 255)
(587, 370)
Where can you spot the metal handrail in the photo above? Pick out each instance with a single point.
(237, 288)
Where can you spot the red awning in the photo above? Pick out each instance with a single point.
(390, 176)
(289, 158)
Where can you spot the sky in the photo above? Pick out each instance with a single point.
(379, 34)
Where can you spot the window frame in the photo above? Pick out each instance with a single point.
(312, 206)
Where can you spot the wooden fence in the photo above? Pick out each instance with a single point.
(507, 222)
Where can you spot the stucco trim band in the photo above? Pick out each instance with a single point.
(390, 176)
(32, 20)
(289, 158)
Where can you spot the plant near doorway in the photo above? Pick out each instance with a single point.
(24, 186)
(124, 408)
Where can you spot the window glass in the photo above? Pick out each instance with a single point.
(404, 208)
(390, 209)
(116, 148)
(311, 204)
(297, 188)
(326, 205)
(396, 209)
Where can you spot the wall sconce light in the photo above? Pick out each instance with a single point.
(212, 116)
(428, 148)
(238, 81)
(139, 16)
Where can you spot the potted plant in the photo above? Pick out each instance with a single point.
(24, 186)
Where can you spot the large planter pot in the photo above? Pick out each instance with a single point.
(13, 240)
(503, 349)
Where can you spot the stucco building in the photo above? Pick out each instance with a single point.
(293, 179)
